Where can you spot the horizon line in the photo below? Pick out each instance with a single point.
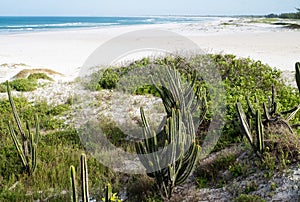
(164, 15)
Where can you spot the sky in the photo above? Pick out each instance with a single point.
(142, 7)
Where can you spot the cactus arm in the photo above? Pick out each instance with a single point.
(250, 106)
(37, 130)
(15, 114)
(108, 193)
(259, 133)
(293, 113)
(33, 158)
(297, 67)
(84, 177)
(189, 90)
(273, 94)
(243, 121)
(73, 184)
(290, 111)
(18, 145)
(204, 108)
(188, 167)
(30, 137)
(266, 112)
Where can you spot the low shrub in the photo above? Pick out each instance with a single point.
(36, 76)
(109, 79)
(23, 85)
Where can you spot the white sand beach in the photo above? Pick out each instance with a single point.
(66, 51)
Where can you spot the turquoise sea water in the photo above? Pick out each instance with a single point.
(32, 24)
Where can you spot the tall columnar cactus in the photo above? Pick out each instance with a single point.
(84, 180)
(73, 184)
(28, 149)
(109, 196)
(180, 156)
(170, 155)
(259, 133)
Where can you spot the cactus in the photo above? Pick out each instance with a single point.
(73, 184)
(244, 122)
(257, 146)
(270, 114)
(109, 196)
(297, 66)
(108, 193)
(175, 144)
(259, 133)
(84, 180)
(28, 150)
(181, 159)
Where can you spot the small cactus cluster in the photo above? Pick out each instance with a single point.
(257, 140)
(109, 196)
(170, 155)
(84, 180)
(28, 149)
(256, 136)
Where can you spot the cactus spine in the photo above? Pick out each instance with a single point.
(28, 149)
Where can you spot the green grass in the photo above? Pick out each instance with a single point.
(59, 148)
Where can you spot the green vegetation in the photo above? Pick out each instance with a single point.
(249, 198)
(109, 196)
(28, 149)
(25, 84)
(27, 72)
(36, 76)
(295, 15)
(59, 145)
(240, 77)
(179, 130)
(273, 133)
(109, 79)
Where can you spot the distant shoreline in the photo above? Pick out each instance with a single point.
(65, 51)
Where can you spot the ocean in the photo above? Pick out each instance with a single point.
(32, 24)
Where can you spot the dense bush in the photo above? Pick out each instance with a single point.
(23, 84)
(240, 77)
(109, 79)
(36, 76)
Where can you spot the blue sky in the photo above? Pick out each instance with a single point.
(142, 7)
